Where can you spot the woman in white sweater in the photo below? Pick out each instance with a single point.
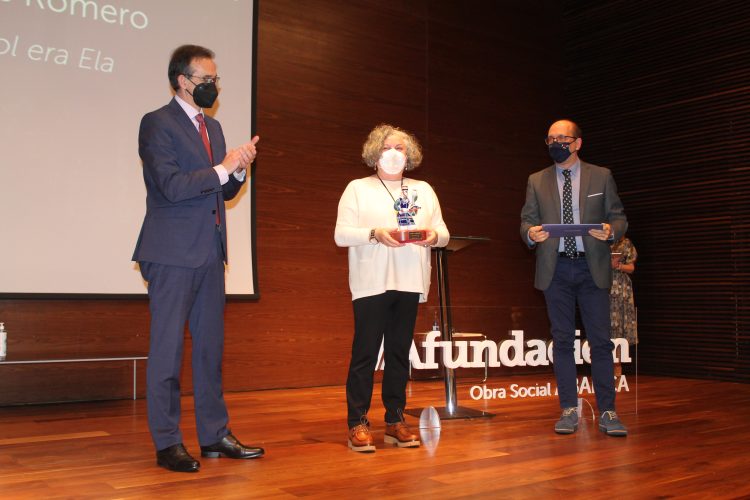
(389, 274)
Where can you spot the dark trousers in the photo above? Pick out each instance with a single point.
(389, 318)
(573, 284)
(178, 295)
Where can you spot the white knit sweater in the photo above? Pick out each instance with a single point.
(373, 267)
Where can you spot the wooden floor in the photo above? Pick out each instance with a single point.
(689, 438)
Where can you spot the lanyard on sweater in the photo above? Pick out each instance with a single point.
(395, 203)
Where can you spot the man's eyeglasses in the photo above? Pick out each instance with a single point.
(560, 139)
(204, 79)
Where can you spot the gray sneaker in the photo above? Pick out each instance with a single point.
(568, 422)
(610, 424)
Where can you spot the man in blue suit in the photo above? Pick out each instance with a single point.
(181, 252)
(576, 270)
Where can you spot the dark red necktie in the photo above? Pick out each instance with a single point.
(204, 136)
(207, 144)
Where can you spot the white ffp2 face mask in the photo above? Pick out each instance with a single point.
(392, 161)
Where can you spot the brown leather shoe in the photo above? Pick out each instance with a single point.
(400, 435)
(360, 439)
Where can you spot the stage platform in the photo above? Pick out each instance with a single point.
(688, 438)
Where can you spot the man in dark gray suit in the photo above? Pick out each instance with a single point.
(181, 252)
(576, 270)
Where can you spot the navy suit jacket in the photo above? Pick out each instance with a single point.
(182, 189)
(598, 202)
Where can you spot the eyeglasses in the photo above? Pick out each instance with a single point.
(205, 79)
(560, 139)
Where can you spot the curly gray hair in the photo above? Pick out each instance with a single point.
(373, 146)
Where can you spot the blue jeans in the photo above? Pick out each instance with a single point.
(571, 284)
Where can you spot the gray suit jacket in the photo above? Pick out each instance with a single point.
(599, 202)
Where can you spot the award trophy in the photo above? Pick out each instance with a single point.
(406, 209)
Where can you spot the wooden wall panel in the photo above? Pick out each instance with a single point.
(472, 80)
(661, 91)
(67, 382)
(492, 97)
(327, 72)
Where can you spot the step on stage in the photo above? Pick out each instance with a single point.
(687, 437)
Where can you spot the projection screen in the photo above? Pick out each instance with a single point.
(78, 75)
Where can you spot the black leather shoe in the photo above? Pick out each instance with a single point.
(229, 447)
(176, 458)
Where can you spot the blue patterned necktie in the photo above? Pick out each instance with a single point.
(570, 241)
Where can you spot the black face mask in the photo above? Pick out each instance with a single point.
(205, 94)
(559, 152)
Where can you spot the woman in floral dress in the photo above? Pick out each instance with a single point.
(624, 323)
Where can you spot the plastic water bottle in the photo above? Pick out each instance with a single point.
(3, 342)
